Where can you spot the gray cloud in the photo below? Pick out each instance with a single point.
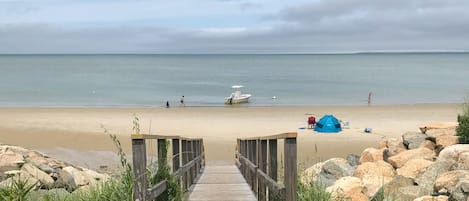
(323, 26)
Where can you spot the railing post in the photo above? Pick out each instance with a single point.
(184, 161)
(255, 149)
(194, 167)
(139, 158)
(161, 144)
(290, 169)
(262, 161)
(176, 155)
(272, 164)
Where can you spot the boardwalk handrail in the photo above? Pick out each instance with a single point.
(256, 159)
(185, 168)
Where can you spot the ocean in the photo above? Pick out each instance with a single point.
(204, 80)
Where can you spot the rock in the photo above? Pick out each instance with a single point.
(448, 180)
(371, 155)
(45, 168)
(9, 161)
(348, 188)
(391, 189)
(446, 140)
(427, 179)
(311, 174)
(374, 175)
(93, 177)
(36, 173)
(22, 177)
(461, 191)
(434, 133)
(453, 153)
(410, 192)
(463, 161)
(401, 158)
(353, 160)
(414, 168)
(78, 177)
(394, 146)
(15, 149)
(65, 180)
(428, 144)
(412, 140)
(334, 169)
(432, 198)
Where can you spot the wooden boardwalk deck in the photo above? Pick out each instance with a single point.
(222, 183)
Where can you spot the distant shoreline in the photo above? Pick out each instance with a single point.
(243, 54)
(214, 106)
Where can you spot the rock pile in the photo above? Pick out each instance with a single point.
(44, 172)
(417, 167)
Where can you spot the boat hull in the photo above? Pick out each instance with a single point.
(237, 100)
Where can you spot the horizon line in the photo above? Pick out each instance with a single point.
(259, 53)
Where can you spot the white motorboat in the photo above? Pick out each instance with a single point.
(237, 97)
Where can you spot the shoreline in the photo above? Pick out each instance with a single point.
(211, 106)
(53, 129)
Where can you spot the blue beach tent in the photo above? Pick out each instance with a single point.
(328, 124)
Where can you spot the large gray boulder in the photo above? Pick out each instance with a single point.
(334, 169)
(391, 189)
(461, 190)
(353, 160)
(426, 179)
(413, 140)
(65, 180)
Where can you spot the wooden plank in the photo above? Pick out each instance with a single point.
(272, 164)
(139, 159)
(262, 161)
(156, 190)
(176, 155)
(148, 136)
(221, 183)
(274, 187)
(272, 137)
(290, 169)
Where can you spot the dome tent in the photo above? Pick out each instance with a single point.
(328, 124)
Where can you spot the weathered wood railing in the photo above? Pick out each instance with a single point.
(256, 159)
(185, 168)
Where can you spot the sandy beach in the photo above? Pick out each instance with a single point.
(75, 134)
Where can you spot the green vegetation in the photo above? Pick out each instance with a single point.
(173, 192)
(463, 129)
(118, 188)
(17, 190)
(313, 191)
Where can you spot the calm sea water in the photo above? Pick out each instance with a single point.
(151, 80)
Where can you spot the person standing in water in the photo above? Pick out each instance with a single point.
(167, 104)
(182, 102)
(369, 98)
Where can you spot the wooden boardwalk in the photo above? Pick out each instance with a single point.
(222, 183)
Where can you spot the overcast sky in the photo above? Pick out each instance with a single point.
(232, 26)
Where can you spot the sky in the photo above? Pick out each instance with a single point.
(232, 26)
